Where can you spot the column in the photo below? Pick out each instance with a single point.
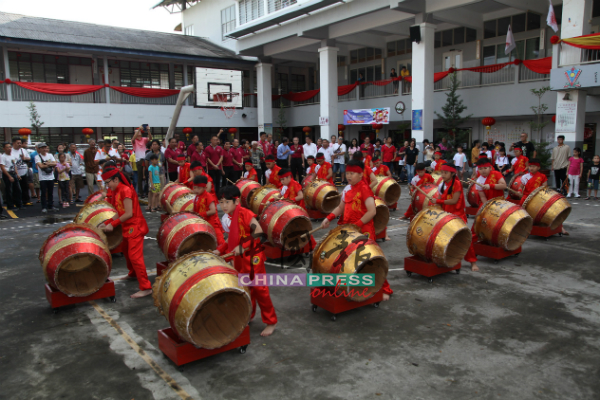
(185, 82)
(422, 84)
(264, 97)
(106, 80)
(6, 73)
(570, 116)
(329, 94)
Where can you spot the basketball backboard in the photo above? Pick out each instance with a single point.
(210, 81)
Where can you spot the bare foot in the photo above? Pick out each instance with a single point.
(474, 267)
(268, 331)
(564, 232)
(387, 238)
(141, 293)
(386, 297)
(403, 218)
(130, 278)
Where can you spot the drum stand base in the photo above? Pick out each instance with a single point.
(58, 299)
(163, 217)
(181, 352)
(545, 232)
(496, 253)
(337, 305)
(381, 235)
(471, 210)
(117, 250)
(161, 267)
(314, 214)
(276, 253)
(427, 269)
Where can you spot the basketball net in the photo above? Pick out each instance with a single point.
(227, 101)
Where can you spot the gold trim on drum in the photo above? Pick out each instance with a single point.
(514, 230)
(178, 204)
(555, 215)
(179, 227)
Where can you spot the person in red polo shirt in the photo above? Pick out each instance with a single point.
(192, 148)
(173, 164)
(388, 152)
(199, 155)
(237, 153)
(214, 160)
(368, 147)
(227, 164)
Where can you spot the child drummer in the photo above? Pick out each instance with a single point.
(436, 164)
(380, 169)
(325, 171)
(313, 167)
(519, 164)
(248, 254)
(291, 189)
(418, 180)
(491, 183)
(452, 200)
(272, 172)
(250, 173)
(197, 170)
(205, 204)
(358, 207)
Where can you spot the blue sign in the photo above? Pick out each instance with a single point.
(417, 120)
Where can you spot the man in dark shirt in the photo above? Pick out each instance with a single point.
(192, 147)
(228, 164)
(91, 168)
(214, 161)
(525, 145)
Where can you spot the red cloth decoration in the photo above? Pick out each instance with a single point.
(106, 85)
(58, 88)
(554, 118)
(451, 70)
(554, 39)
(438, 76)
(145, 92)
(7, 81)
(541, 65)
(517, 61)
(345, 89)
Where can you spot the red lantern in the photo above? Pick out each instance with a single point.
(187, 132)
(232, 132)
(341, 129)
(24, 132)
(377, 127)
(307, 130)
(554, 118)
(488, 122)
(87, 132)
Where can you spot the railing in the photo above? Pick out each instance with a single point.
(249, 101)
(590, 56)
(369, 91)
(122, 98)
(2, 92)
(467, 79)
(22, 94)
(349, 97)
(527, 75)
(314, 100)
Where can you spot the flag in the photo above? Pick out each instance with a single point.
(510, 42)
(551, 20)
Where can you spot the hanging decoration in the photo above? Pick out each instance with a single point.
(307, 130)
(187, 132)
(588, 42)
(24, 132)
(341, 129)
(232, 132)
(488, 122)
(377, 127)
(554, 118)
(87, 132)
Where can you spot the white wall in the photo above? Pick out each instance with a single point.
(206, 18)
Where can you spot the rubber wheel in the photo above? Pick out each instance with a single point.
(408, 273)
(333, 317)
(458, 271)
(376, 305)
(430, 280)
(55, 311)
(496, 261)
(242, 350)
(560, 234)
(113, 299)
(314, 308)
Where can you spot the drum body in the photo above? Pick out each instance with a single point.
(345, 250)
(500, 223)
(387, 189)
(96, 214)
(547, 207)
(321, 196)
(437, 177)
(76, 260)
(473, 196)
(170, 193)
(308, 179)
(260, 198)
(284, 223)
(382, 216)
(439, 237)
(184, 233)
(96, 196)
(246, 187)
(183, 203)
(420, 201)
(203, 301)
(515, 184)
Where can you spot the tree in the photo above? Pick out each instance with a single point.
(34, 117)
(539, 111)
(452, 115)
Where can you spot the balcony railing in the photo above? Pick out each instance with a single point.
(314, 100)
(122, 98)
(526, 75)
(369, 90)
(467, 79)
(590, 56)
(349, 97)
(2, 92)
(249, 101)
(22, 94)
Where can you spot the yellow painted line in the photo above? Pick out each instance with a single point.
(11, 213)
(159, 371)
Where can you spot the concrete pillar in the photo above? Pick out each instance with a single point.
(422, 83)
(576, 17)
(329, 94)
(185, 82)
(106, 79)
(6, 73)
(264, 98)
(570, 117)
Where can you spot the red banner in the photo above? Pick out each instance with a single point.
(59, 89)
(541, 66)
(146, 92)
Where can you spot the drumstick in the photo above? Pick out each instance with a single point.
(480, 185)
(232, 253)
(426, 194)
(311, 232)
(231, 181)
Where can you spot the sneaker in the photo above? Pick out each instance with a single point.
(577, 196)
(44, 211)
(54, 209)
(587, 198)
(569, 195)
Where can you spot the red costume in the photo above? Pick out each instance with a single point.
(533, 183)
(202, 206)
(252, 175)
(292, 192)
(324, 171)
(190, 184)
(382, 170)
(493, 178)
(311, 169)
(423, 180)
(520, 165)
(184, 173)
(438, 164)
(252, 259)
(274, 177)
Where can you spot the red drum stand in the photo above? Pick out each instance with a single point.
(58, 299)
(276, 253)
(118, 249)
(471, 210)
(427, 269)
(545, 232)
(497, 253)
(161, 267)
(314, 214)
(181, 352)
(381, 235)
(325, 297)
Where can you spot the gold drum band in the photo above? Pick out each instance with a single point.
(96, 214)
(382, 215)
(473, 196)
(437, 177)
(387, 189)
(203, 301)
(261, 197)
(500, 223)
(321, 195)
(170, 193)
(308, 179)
(547, 207)
(75, 259)
(345, 250)
(419, 201)
(284, 223)
(246, 187)
(438, 237)
(183, 203)
(184, 233)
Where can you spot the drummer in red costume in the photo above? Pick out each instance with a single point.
(125, 200)
(437, 163)
(205, 204)
(358, 208)
(291, 189)
(184, 170)
(452, 200)
(519, 164)
(380, 169)
(325, 171)
(197, 170)
(418, 180)
(243, 228)
(491, 182)
(367, 159)
(250, 172)
(272, 172)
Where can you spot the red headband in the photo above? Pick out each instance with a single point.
(285, 175)
(483, 155)
(248, 163)
(439, 153)
(109, 174)
(199, 184)
(354, 168)
(320, 157)
(486, 165)
(448, 168)
(534, 163)
(196, 168)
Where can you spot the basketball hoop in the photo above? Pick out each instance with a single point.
(227, 101)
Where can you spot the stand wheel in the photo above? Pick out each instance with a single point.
(458, 271)
(242, 349)
(430, 280)
(517, 255)
(560, 234)
(376, 305)
(496, 261)
(333, 317)
(314, 308)
(409, 273)
(545, 239)
(180, 369)
(113, 299)
(55, 311)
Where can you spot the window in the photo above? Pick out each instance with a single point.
(362, 55)
(341, 61)
(503, 24)
(489, 29)
(391, 49)
(528, 49)
(533, 21)
(282, 83)
(227, 21)
(369, 53)
(558, 13)
(298, 83)
(532, 48)
(189, 30)
(353, 56)
(146, 75)
(401, 45)
(437, 40)
(459, 35)
(46, 68)
(595, 9)
(489, 55)
(250, 10)
(471, 35)
(454, 36)
(276, 5)
(371, 73)
(447, 38)
(518, 23)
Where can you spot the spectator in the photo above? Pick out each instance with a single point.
(575, 172)
(181, 145)
(199, 155)
(526, 146)
(139, 143)
(388, 151)
(227, 165)
(256, 155)
(410, 159)
(265, 146)
(310, 149)
(367, 146)
(192, 147)
(154, 149)
(77, 169)
(45, 163)
(319, 145)
(485, 150)
(404, 73)
(326, 150)
(35, 177)
(460, 161)
(393, 75)
(63, 168)
(172, 164)
(11, 178)
(154, 181)
(339, 160)
(297, 159)
(475, 152)
(502, 163)
(560, 162)
(22, 157)
(237, 153)
(401, 163)
(445, 145)
(105, 153)
(353, 148)
(593, 177)
(214, 160)
(427, 153)
(283, 153)
(91, 167)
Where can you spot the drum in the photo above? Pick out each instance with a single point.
(387, 189)
(184, 233)
(437, 177)
(473, 196)
(96, 214)
(345, 250)
(419, 201)
(547, 207)
(321, 196)
(515, 184)
(308, 179)
(439, 237)
(500, 223)
(382, 215)
(96, 196)
(76, 260)
(203, 301)
(270, 186)
(284, 224)
(246, 187)
(183, 203)
(170, 193)
(261, 198)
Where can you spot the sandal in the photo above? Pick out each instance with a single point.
(587, 198)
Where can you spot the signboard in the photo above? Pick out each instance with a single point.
(575, 77)
(417, 120)
(566, 115)
(268, 129)
(367, 116)
(323, 121)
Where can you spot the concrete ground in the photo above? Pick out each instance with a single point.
(526, 328)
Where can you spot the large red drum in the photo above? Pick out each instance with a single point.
(420, 201)
(246, 187)
(387, 189)
(170, 193)
(437, 177)
(96, 214)
(473, 196)
(76, 260)
(184, 233)
(322, 196)
(183, 203)
(96, 196)
(308, 179)
(515, 184)
(284, 222)
(261, 198)
(382, 216)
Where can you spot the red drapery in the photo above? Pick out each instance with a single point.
(146, 92)
(487, 69)
(541, 66)
(58, 88)
(344, 90)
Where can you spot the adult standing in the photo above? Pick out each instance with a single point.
(525, 145)
(237, 153)
(353, 148)
(105, 153)
(388, 152)
(297, 159)
(266, 149)
(405, 73)
(410, 159)
(155, 149)
(22, 157)
(327, 150)
(560, 161)
(214, 160)
(171, 154)
(192, 147)
(428, 151)
(8, 163)
(394, 75)
(256, 155)
(475, 152)
(181, 145)
(227, 164)
(46, 164)
(402, 162)
(367, 146)
(139, 143)
(310, 149)
(199, 155)
(339, 159)
(36, 177)
(91, 168)
(283, 153)
(77, 170)
(445, 145)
